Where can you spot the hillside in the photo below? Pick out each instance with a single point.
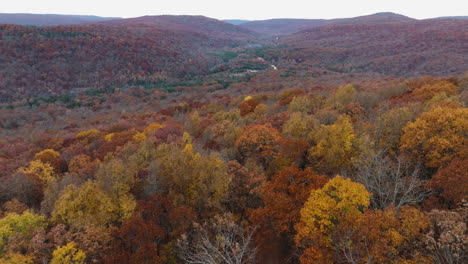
(199, 24)
(49, 19)
(437, 47)
(290, 26)
(236, 21)
(44, 61)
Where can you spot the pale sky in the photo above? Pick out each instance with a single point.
(240, 9)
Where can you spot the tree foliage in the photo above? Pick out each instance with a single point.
(85, 206)
(335, 146)
(68, 254)
(437, 136)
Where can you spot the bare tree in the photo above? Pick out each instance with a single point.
(447, 239)
(390, 181)
(221, 241)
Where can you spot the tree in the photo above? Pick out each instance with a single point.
(283, 197)
(15, 206)
(450, 183)
(388, 128)
(221, 241)
(381, 236)
(248, 106)
(336, 146)
(242, 193)
(447, 238)
(337, 227)
(53, 158)
(391, 182)
(258, 141)
(83, 165)
(44, 171)
(300, 125)
(85, 206)
(305, 104)
(340, 200)
(191, 179)
(26, 188)
(18, 224)
(16, 259)
(117, 179)
(342, 96)
(428, 91)
(147, 236)
(437, 136)
(68, 254)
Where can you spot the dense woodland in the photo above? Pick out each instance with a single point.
(227, 158)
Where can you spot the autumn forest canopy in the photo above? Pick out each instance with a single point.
(186, 139)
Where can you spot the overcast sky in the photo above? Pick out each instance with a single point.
(241, 9)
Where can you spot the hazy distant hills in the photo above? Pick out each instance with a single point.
(236, 21)
(49, 19)
(453, 17)
(289, 26)
(199, 24)
(434, 47)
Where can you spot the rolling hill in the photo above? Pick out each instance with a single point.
(49, 19)
(290, 26)
(44, 61)
(198, 24)
(436, 47)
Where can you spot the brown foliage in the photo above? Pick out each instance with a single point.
(248, 106)
(283, 197)
(450, 183)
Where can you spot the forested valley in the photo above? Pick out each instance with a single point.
(179, 139)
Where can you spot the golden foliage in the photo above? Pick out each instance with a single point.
(68, 254)
(87, 206)
(14, 258)
(437, 136)
(336, 145)
(43, 171)
(92, 133)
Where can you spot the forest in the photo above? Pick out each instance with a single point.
(223, 150)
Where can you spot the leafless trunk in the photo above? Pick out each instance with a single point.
(390, 181)
(221, 241)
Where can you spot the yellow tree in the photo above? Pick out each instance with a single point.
(87, 206)
(192, 179)
(117, 179)
(14, 224)
(13, 258)
(336, 146)
(339, 200)
(337, 227)
(437, 136)
(343, 96)
(300, 125)
(43, 171)
(68, 254)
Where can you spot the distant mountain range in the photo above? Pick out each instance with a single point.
(434, 46)
(289, 26)
(104, 52)
(49, 19)
(236, 21)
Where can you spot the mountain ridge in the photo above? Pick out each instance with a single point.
(27, 19)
